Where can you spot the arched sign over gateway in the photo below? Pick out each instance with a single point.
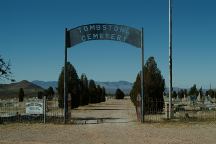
(104, 32)
(99, 31)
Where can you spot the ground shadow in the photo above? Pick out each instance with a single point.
(101, 109)
(96, 120)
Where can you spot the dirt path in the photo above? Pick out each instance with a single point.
(111, 111)
(118, 125)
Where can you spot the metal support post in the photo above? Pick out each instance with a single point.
(170, 59)
(65, 81)
(142, 78)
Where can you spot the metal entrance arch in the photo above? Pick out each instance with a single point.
(100, 31)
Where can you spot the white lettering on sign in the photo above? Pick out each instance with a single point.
(104, 27)
(85, 28)
(92, 27)
(89, 36)
(103, 36)
(83, 38)
(95, 36)
(113, 37)
(115, 28)
(105, 32)
(118, 37)
(97, 27)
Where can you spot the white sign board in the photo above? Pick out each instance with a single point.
(34, 107)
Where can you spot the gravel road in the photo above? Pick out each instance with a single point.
(112, 122)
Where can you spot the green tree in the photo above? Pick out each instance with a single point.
(84, 95)
(40, 95)
(5, 70)
(103, 98)
(181, 94)
(73, 86)
(201, 92)
(185, 92)
(49, 93)
(60, 89)
(211, 93)
(92, 92)
(136, 90)
(119, 94)
(154, 86)
(174, 94)
(99, 93)
(214, 94)
(21, 95)
(206, 93)
(193, 90)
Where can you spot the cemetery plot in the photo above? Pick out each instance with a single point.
(31, 109)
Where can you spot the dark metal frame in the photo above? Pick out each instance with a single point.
(67, 45)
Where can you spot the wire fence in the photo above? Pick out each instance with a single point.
(30, 110)
(182, 110)
(155, 111)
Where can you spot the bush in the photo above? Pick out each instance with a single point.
(119, 94)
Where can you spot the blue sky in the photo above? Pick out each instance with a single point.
(32, 37)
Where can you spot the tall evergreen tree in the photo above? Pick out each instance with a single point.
(84, 94)
(181, 94)
(136, 90)
(211, 93)
(154, 86)
(92, 92)
(21, 95)
(40, 95)
(174, 94)
(103, 98)
(206, 93)
(73, 86)
(99, 93)
(201, 93)
(214, 94)
(185, 92)
(61, 89)
(49, 93)
(193, 91)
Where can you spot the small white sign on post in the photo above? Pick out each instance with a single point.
(34, 107)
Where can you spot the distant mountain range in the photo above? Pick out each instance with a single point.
(22, 84)
(109, 86)
(46, 84)
(12, 90)
(32, 88)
